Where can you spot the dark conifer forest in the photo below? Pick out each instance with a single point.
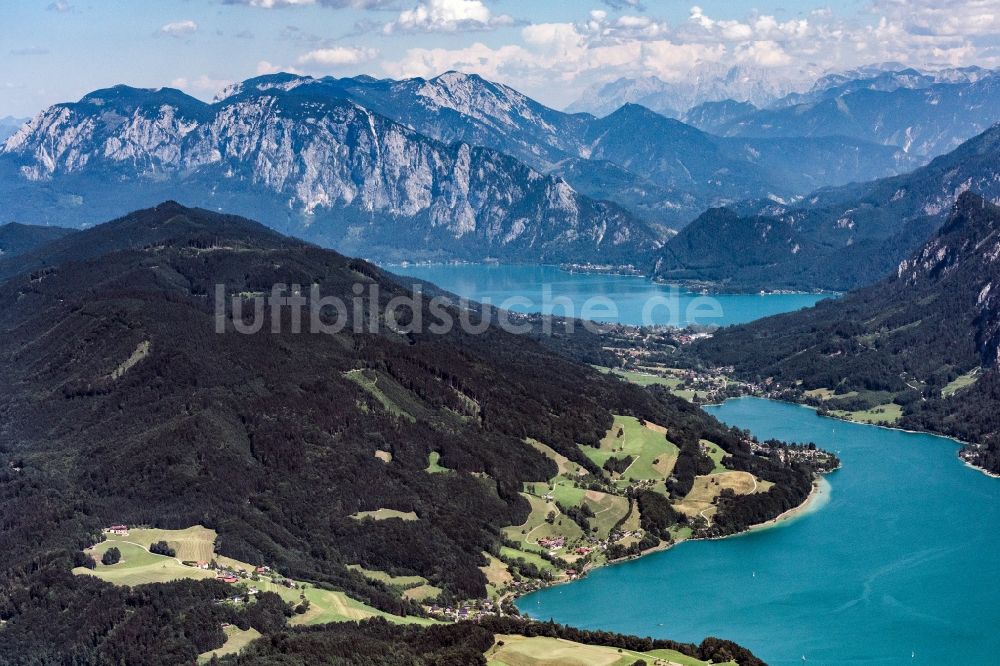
(121, 404)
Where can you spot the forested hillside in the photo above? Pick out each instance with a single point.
(925, 339)
(122, 404)
(17, 239)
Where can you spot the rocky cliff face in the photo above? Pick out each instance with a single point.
(343, 173)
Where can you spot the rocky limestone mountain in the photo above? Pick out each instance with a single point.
(467, 108)
(324, 167)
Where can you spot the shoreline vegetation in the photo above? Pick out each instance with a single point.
(818, 497)
(847, 418)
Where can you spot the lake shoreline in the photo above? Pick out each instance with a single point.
(963, 444)
(820, 487)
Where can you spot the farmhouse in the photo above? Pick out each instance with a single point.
(117, 529)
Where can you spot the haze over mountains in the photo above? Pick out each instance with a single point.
(707, 82)
(838, 238)
(9, 125)
(924, 114)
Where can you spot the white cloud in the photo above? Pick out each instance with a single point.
(271, 4)
(265, 67)
(60, 6)
(934, 17)
(179, 28)
(338, 56)
(336, 4)
(447, 16)
(556, 61)
(203, 85)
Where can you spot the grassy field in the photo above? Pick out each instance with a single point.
(716, 454)
(394, 397)
(543, 651)
(236, 640)
(497, 576)
(137, 565)
(959, 383)
(706, 488)
(401, 582)
(827, 394)
(434, 465)
(422, 592)
(527, 556)
(642, 378)
(194, 543)
(608, 510)
(385, 514)
(654, 455)
(886, 414)
(330, 606)
(536, 527)
(567, 467)
(410, 587)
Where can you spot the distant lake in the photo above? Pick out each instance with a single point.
(605, 298)
(901, 565)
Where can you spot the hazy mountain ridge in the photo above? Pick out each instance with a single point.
(19, 239)
(707, 82)
(839, 238)
(9, 125)
(924, 114)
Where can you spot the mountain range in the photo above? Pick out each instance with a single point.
(319, 165)
(924, 341)
(836, 239)
(451, 167)
(923, 114)
(707, 82)
(458, 167)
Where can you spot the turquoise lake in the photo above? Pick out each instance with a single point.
(898, 563)
(536, 288)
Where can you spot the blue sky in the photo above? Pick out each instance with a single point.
(57, 50)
